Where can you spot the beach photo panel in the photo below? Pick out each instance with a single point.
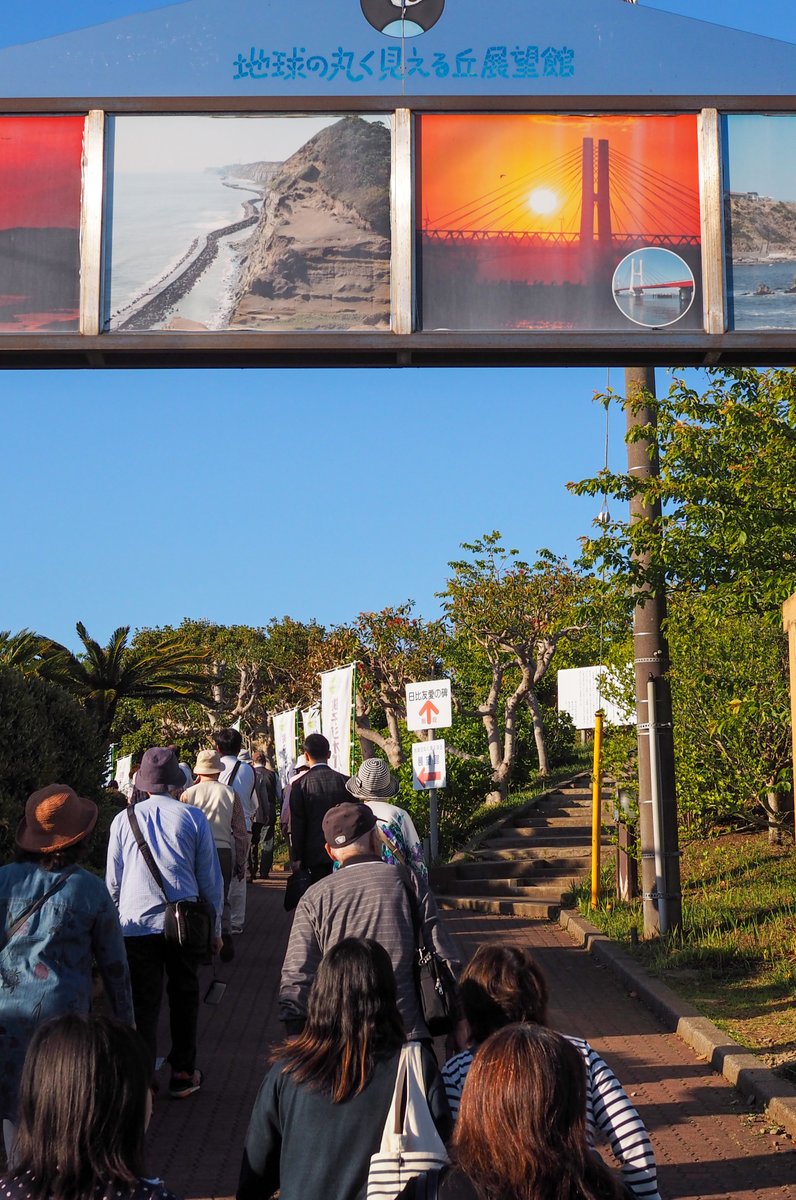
(248, 223)
(523, 219)
(760, 219)
(40, 191)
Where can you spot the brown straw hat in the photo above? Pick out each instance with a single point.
(55, 817)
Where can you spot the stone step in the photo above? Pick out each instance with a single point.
(503, 868)
(530, 851)
(557, 886)
(570, 835)
(542, 820)
(540, 909)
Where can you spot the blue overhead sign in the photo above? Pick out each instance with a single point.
(311, 48)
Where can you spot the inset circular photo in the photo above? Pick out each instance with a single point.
(653, 287)
(402, 18)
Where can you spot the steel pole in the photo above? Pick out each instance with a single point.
(651, 656)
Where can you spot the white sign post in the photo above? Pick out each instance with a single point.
(429, 771)
(428, 705)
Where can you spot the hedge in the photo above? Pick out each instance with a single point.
(45, 737)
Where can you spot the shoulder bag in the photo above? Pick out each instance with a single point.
(15, 927)
(190, 923)
(436, 986)
(410, 1142)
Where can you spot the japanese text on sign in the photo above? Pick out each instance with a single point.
(496, 62)
(429, 769)
(428, 704)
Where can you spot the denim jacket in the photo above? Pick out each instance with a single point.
(45, 969)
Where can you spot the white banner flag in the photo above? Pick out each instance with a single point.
(311, 719)
(122, 775)
(337, 699)
(285, 744)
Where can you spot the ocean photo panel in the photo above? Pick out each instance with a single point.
(248, 223)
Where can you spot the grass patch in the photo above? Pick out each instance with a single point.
(735, 956)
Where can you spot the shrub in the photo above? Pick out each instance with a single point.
(45, 737)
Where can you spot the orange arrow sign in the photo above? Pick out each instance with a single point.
(426, 776)
(426, 712)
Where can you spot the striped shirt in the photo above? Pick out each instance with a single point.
(608, 1110)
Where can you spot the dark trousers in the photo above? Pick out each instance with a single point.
(149, 958)
(320, 871)
(261, 858)
(225, 863)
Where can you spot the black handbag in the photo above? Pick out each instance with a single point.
(295, 888)
(436, 986)
(189, 923)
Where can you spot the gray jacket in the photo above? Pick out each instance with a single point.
(366, 898)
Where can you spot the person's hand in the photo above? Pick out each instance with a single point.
(240, 872)
(217, 944)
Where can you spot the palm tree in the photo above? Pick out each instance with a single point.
(101, 676)
(25, 651)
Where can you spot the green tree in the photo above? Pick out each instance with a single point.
(250, 672)
(732, 713)
(512, 617)
(727, 485)
(102, 676)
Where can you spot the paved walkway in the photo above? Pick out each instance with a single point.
(709, 1146)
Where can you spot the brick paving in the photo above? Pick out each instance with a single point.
(708, 1144)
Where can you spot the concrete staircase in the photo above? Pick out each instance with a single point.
(527, 864)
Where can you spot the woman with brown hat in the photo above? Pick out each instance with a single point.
(55, 918)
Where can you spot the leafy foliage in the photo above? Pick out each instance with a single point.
(101, 676)
(732, 712)
(508, 617)
(727, 486)
(45, 737)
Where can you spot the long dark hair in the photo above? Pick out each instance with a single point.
(352, 1021)
(82, 1108)
(502, 985)
(521, 1130)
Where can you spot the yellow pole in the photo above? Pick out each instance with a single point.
(596, 809)
(789, 625)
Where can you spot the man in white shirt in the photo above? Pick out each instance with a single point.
(241, 778)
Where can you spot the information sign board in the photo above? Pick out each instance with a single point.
(429, 771)
(428, 705)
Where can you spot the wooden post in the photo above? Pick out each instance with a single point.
(789, 625)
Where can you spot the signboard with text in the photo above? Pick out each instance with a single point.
(429, 770)
(231, 182)
(428, 705)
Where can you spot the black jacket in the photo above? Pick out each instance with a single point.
(311, 797)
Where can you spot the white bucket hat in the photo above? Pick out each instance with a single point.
(373, 781)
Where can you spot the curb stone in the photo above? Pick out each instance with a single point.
(739, 1066)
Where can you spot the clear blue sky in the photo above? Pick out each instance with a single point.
(142, 497)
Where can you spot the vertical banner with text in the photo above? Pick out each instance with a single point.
(311, 719)
(337, 703)
(285, 744)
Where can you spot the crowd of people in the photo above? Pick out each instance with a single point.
(502, 1109)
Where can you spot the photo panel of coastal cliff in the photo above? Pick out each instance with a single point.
(249, 223)
(760, 220)
(536, 221)
(40, 186)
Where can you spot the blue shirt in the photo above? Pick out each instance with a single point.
(181, 842)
